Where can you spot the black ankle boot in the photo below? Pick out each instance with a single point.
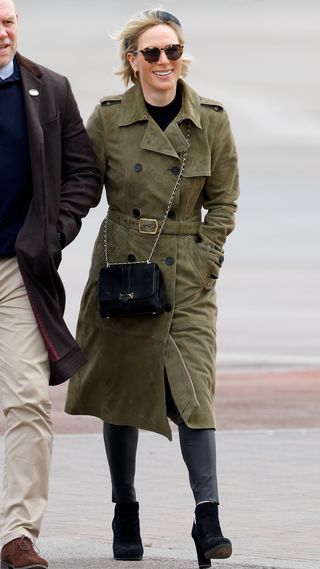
(207, 535)
(127, 544)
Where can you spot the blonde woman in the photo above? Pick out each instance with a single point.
(143, 370)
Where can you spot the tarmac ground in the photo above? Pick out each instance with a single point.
(268, 462)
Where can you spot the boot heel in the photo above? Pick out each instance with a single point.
(202, 561)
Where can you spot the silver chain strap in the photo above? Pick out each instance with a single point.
(173, 195)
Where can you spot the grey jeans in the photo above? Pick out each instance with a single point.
(198, 448)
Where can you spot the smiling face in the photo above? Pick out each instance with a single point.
(158, 80)
(8, 31)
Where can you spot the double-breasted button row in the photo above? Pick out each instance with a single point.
(175, 170)
(132, 259)
(137, 213)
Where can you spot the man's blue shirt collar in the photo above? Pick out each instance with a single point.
(7, 70)
(10, 71)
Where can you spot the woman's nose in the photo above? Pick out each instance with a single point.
(163, 58)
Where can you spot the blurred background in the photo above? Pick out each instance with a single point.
(261, 59)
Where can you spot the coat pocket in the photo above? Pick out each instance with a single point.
(213, 257)
(51, 124)
(201, 264)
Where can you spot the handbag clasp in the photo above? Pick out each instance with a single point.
(147, 223)
(126, 296)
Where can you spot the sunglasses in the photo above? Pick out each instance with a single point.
(152, 54)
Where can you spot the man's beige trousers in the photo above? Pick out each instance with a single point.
(24, 392)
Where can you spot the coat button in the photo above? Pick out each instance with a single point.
(168, 307)
(221, 259)
(136, 212)
(169, 261)
(171, 215)
(175, 170)
(131, 258)
(138, 167)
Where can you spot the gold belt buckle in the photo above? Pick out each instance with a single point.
(146, 220)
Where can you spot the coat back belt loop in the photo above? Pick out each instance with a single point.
(141, 225)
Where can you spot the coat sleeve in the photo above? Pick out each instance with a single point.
(97, 136)
(80, 177)
(220, 193)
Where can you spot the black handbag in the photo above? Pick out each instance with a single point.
(137, 287)
(134, 288)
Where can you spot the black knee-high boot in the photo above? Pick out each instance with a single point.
(208, 538)
(121, 447)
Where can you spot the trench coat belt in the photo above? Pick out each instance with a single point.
(151, 226)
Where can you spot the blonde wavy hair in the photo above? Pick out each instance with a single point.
(129, 35)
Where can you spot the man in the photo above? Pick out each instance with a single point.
(48, 182)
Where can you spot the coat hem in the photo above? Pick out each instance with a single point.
(131, 423)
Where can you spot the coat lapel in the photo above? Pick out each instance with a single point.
(157, 141)
(31, 78)
(32, 90)
(172, 141)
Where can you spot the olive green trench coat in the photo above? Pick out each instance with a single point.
(123, 381)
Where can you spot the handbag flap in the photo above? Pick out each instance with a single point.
(128, 281)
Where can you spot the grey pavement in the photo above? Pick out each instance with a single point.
(269, 493)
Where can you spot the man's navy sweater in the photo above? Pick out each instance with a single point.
(15, 168)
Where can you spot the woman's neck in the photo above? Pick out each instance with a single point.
(166, 114)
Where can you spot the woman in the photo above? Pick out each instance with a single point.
(143, 369)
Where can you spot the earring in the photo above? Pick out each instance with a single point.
(135, 74)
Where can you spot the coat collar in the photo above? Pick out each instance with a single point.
(31, 76)
(29, 65)
(172, 141)
(133, 108)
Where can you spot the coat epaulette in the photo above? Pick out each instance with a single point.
(107, 101)
(212, 104)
